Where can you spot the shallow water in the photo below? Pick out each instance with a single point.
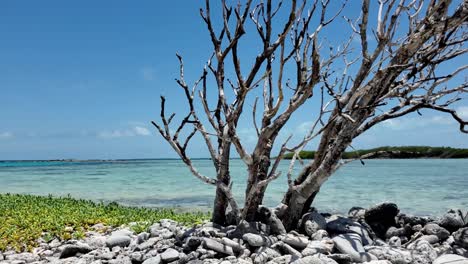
(419, 186)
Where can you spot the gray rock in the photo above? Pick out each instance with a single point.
(307, 260)
(72, 250)
(356, 213)
(380, 217)
(121, 260)
(351, 244)
(21, 257)
(283, 259)
(169, 255)
(393, 231)
(136, 257)
(312, 222)
(422, 250)
(265, 215)
(121, 241)
(394, 241)
(296, 241)
(314, 247)
(345, 225)
(122, 232)
(395, 255)
(451, 259)
(148, 243)
(153, 260)
(286, 249)
(452, 220)
(217, 246)
(319, 235)
(255, 240)
(435, 229)
(142, 237)
(461, 237)
(432, 239)
(233, 244)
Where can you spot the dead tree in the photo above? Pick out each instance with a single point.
(396, 75)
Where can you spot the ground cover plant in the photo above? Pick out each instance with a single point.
(25, 218)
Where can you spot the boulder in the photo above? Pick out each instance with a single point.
(451, 259)
(298, 242)
(314, 247)
(265, 215)
(72, 250)
(255, 240)
(342, 225)
(153, 260)
(117, 240)
(217, 246)
(351, 244)
(452, 220)
(356, 213)
(312, 222)
(169, 255)
(435, 229)
(380, 217)
(307, 260)
(461, 237)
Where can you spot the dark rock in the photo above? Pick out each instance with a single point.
(193, 242)
(411, 220)
(72, 250)
(461, 237)
(381, 217)
(452, 220)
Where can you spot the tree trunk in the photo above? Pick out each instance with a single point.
(219, 207)
(223, 175)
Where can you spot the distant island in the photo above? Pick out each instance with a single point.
(402, 152)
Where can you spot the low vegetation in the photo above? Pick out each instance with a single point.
(405, 152)
(25, 218)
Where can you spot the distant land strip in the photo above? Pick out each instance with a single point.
(402, 152)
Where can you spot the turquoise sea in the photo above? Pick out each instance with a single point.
(418, 186)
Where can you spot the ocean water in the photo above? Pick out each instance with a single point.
(418, 186)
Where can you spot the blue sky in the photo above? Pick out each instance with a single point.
(82, 80)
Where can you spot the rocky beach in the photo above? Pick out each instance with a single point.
(379, 234)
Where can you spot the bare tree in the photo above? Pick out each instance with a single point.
(397, 74)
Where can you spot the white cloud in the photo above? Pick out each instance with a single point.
(462, 112)
(405, 123)
(131, 132)
(4, 135)
(149, 73)
(141, 131)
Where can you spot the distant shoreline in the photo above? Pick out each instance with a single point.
(400, 152)
(385, 152)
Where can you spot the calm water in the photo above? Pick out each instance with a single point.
(419, 186)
